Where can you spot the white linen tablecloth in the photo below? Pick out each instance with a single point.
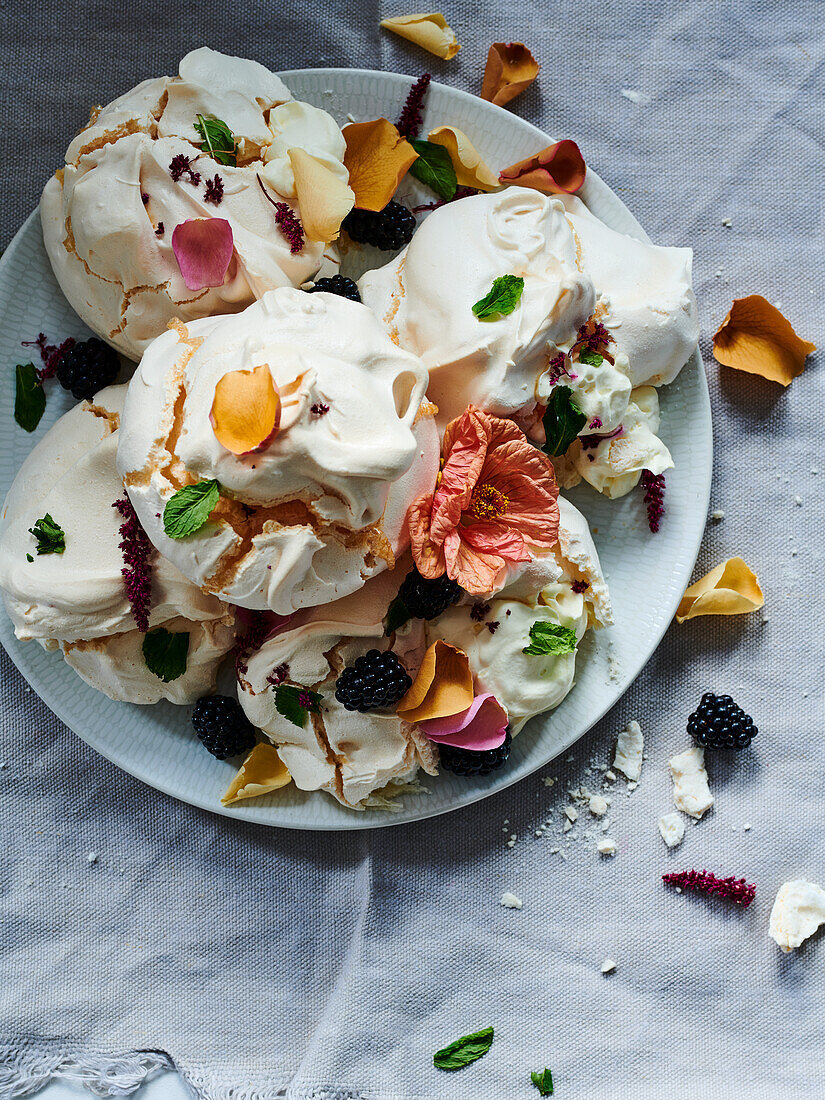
(268, 963)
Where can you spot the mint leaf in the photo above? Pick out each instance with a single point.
(467, 1049)
(50, 536)
(550, 638)
(503, 297)
(188, 510)
(218, 140)
(397, 614)
(563, 420)
(294, 703)
(165, 653)
(29, 396)
(543, 1082)
(591, 357)
(434, 168)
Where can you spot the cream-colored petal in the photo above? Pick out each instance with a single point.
(470, 169)
(324, 199)
(430, 30)
(262, 771)
(730, 589)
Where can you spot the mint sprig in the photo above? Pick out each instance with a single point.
(502, 298)
(550, 638)
(464, 1051)
(434, 168)
(29, 396)
(218, 140)
(165, 653)
(51, 539)
(563, 420)
(188, 509)
(591, 357)
(294, 703)
(543, 1082)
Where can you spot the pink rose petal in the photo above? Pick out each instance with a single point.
(203, 248)
(482, 726)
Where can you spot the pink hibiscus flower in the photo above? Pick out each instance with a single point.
(496, 497)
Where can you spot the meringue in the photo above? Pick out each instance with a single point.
(77, 600)
(109, 213)
(425, 296)
(320, 507)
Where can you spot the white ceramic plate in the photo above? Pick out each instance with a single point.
(647, 573)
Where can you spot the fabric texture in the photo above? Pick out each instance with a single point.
(270, 963)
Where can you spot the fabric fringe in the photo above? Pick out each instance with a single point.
(24, 1073)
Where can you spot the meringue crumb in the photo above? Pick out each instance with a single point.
(598, 805)
(610, 775)
(717, 516)
(640, 98)
(571, 813)
(672, 828)
(91, 857)
(747, 827)
(548, 780)
(798, 501)
(727, 223)
(607, 846)
(510, 901)
(568, 825)
(608, 965)
(351, 117)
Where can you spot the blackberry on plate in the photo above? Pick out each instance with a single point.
(388, 229)
(375, 680)
(338, 284)
(718, 723)
(222, 726)
(88, 367)
(427, 599)
(466, 762)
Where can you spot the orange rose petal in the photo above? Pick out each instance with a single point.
(261, 772)
(558, 169)
(511, 68)
(377, 159)
(470, 169)
(443, 686)
(324, 200)
(430, 30)
(246, 410)
(729, 589)
(757, 338)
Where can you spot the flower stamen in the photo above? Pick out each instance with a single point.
(488, 502)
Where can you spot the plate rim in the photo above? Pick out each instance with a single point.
(367, 820)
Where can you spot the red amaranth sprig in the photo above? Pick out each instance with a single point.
(51, 354)
(460, 193)
(181, 166)
(412, 113)
(214, 190)
(595, 336)
(137, 553)
(286, 221)
(258, 625)
(735, 889)
(654, 487)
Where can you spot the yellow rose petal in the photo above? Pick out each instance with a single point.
(262, 771)
(443, 686)
(324, 200)
(377, 159)
(470, 169)
(729, 589)
(757, 338)
(429, 30)
(246, 410)
(511, 68)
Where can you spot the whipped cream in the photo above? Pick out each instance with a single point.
(300, 125)
(644, 296)
(425, 296)
(613, 464)
(602, 393)
(76, 600)
(537, 591)
(109, 213)
(322, 507)
(349, 756)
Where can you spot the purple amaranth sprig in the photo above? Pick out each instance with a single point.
(181, 166)
(596, 422)
(137, 552)
(556, 368)
(412, 113)
(279, 674)
(287, 221)
(580, 586)
(258, 625)
(214, 190)
(50, 354)
(735, 889)
(460, 193)
(319, 409)
(590, 442)
(654, 487)
(595, 336)
(479, 611)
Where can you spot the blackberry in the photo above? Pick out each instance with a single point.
(88, 367)
(388, 229)
(375, 680)
(718, 723)
(338, 284)
(466, 762)
(426, 599)
(222, 726)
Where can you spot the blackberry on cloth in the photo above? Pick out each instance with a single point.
(718, 723)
